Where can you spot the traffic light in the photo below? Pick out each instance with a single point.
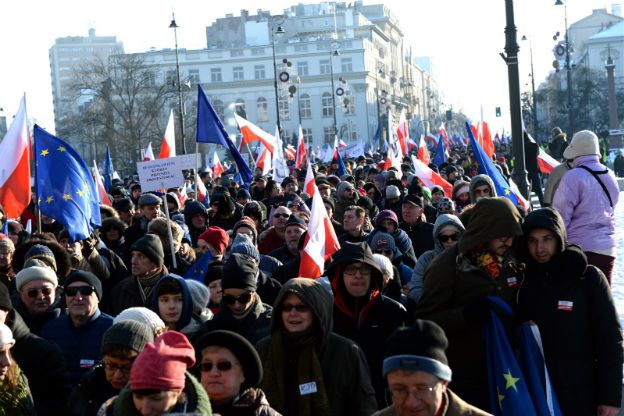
(498, 111)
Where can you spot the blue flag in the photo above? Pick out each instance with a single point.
(440, 153)
(65, 186)
(108, 170)
(198, 270)
(377, 135)
(486, 167)
(210, 130)
(5, 227)
(509, 393)
(342, 169)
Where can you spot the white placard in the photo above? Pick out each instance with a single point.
(160, 173)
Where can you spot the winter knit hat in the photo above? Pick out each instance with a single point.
(214, 272)
(41, 252)
(86, 277)
(247, 222)
(242, 244)
(297, 221)
(445, 206)
(5, 299)
(382, 241)
(217, 237)
(239, 272)
(200, 295)
(6, 336)
(151, 246)
(35, 273)
(130, 334)
(392, 192)
(420, 347)
(583, 143)
(387, 214)
(163, 363)
(6, 243)
(142, 315)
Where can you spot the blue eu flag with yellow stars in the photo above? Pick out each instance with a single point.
(66, 190)
(198, 270)
(486, 167)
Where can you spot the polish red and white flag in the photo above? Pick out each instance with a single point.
(99, 184)
(168, 148)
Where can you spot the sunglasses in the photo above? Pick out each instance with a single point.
(33, 293)
(281, 216)
(221, 366)
(300, 307)
(84, 290)
(445, 238)
(242, 299)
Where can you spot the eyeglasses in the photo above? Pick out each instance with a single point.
(299, 307)
(352, 270)
(384, 252)
(84, 290)
(421, 392)
(221, 366)
(281, 215)
(445, 238)
(124, 369)
(242, 299)
(33, 293)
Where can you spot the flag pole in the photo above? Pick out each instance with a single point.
(251, 155)
(169, 233)
(196, 178)
(37, 198)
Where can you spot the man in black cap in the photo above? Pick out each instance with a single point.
(295, 227)
(125, 209)
(79, 333)
(418, 230)
(243, 312)
(149, 208)
(417, 372)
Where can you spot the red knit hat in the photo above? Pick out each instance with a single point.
(162, 364)
(217, 237)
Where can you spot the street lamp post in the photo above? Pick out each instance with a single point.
(276, 31)
(511, 48)
(567, 64)
(378, 71)
(535, 127)
(173, 25)
(333, 53)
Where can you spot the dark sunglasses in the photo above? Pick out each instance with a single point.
(32, 293)
(84, 290)
(221, 366)
(281, 215)
(301, 307)
(445, 238)
(386, 252)
(242, 299)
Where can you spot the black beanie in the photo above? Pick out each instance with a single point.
(130, 334)
(239, 272)
(214, 272)
(86, 277)
(151, 246)
(5, 299)
(296, 220)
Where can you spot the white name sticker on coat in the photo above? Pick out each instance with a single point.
(565, 305)
(512, 281)
(307, 388)
(86, 363)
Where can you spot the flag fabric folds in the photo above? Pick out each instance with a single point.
(168, 148)
(308, 184)
(546, 162)
(252, 133)
(280, 168)
(440, 153)
(423, 152)
(342, 169)
(15, 165)
(211, 130)
(302, 153)
(99, 185)
(197, 271)
(148, 154)
(217, 168)
(108, 170)
(429, 177)
(66, 190)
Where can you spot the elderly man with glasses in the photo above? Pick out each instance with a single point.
(275, 236)
(36, 287)
(79, 332)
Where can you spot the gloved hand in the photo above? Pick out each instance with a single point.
(477, 311)
(88, 245)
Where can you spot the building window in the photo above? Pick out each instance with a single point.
(257, 51)
(325, 66)
(305, 106)
(301, 48)
(193, 76)
(170, 77)
(286, 136)
(263, 109)
(348, 103)
(307, 135)
(237, 73)
(284, 108)
(215, 75)
(219, 108)
(346, 64)
(150, 79)
(239, 107)
(327, 104)
(302, 68)
(259, 72)
(328, 135)
(236, 52)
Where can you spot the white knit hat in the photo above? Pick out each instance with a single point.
(583, 143)
(142, 315)
(35, 273)
(6, 336)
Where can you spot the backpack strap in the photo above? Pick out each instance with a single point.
(602, 185)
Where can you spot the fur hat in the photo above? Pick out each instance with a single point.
(158, 226)
(583, 143)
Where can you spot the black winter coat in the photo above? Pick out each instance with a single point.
(43, 364)
(253, 327)
(90, 393)
(421, 235)
(125, 295)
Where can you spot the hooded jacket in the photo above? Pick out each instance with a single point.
(192, 208)
(368, 320)
(186, 324)
(345, 371)
(479, 180)
(416, 283)
(341, 202)
(582, 338)
(253, 326)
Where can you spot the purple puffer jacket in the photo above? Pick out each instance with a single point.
(584, 206)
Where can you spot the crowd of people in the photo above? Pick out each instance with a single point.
(205, 312)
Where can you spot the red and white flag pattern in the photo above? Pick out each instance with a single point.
(15, 165)
(148, 153)
(402, 132)
(99, 184)
(302, 153)
(309, 186)
(217, 168)
(423, 152)
(168, 148)
(252, 133)
(546, 162)
(429, 177)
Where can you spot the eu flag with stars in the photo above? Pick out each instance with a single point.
(440, 153)
(342, 169)
(65, 188)
(509, 393)
(108, 170)
(198, 270)
(211, 130)
(485, 166)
